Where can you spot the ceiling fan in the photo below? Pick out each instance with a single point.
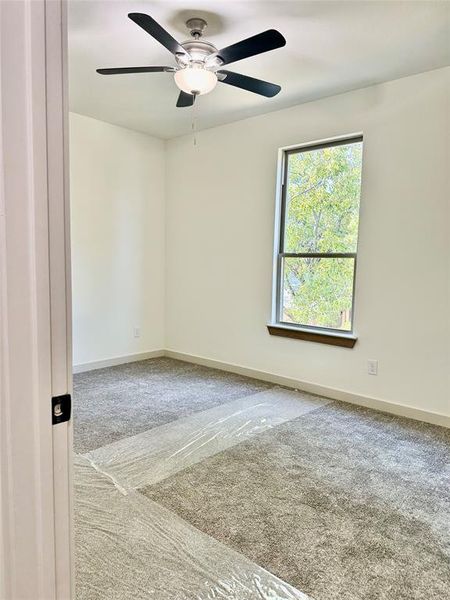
(199, 63)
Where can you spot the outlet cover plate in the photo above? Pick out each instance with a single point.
(372, 366)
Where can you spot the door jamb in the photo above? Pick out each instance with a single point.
(35, 487)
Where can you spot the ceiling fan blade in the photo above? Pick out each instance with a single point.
(258, 86)
(159, 33)
(185, 100)
(121, 70)
(257, 44)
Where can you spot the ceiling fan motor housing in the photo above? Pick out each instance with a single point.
(198, 51)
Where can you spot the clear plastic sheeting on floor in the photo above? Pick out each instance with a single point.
(154, 455)
(130, 548)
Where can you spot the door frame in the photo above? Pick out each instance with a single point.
(36, 557)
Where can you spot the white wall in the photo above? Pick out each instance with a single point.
(219, 229)
(117, 200)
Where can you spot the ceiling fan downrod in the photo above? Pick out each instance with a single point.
(196, 26)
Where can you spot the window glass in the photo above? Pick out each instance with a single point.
(318, 292)
(322, 199)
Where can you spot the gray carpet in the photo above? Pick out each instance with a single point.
(343, 503)
(129, 548)
(121, 401)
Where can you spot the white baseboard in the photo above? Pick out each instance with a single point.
(117, 360)
(305, 386)
(320, 390)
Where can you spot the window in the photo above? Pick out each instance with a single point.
(317, 240)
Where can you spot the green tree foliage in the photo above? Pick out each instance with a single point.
(321, 217)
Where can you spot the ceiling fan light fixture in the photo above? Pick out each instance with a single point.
(195, 79)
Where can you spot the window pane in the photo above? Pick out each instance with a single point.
(318, 292)
(322, 199)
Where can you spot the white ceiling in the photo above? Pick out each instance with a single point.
(332, 47)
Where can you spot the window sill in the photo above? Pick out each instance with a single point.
(346, 340)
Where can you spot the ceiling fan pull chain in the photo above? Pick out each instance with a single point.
(194, 121)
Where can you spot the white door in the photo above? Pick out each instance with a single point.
(35, 359)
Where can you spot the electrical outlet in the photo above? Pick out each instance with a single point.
(137, 332)
(372, 366)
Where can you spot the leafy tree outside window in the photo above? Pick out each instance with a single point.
(319, 234)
